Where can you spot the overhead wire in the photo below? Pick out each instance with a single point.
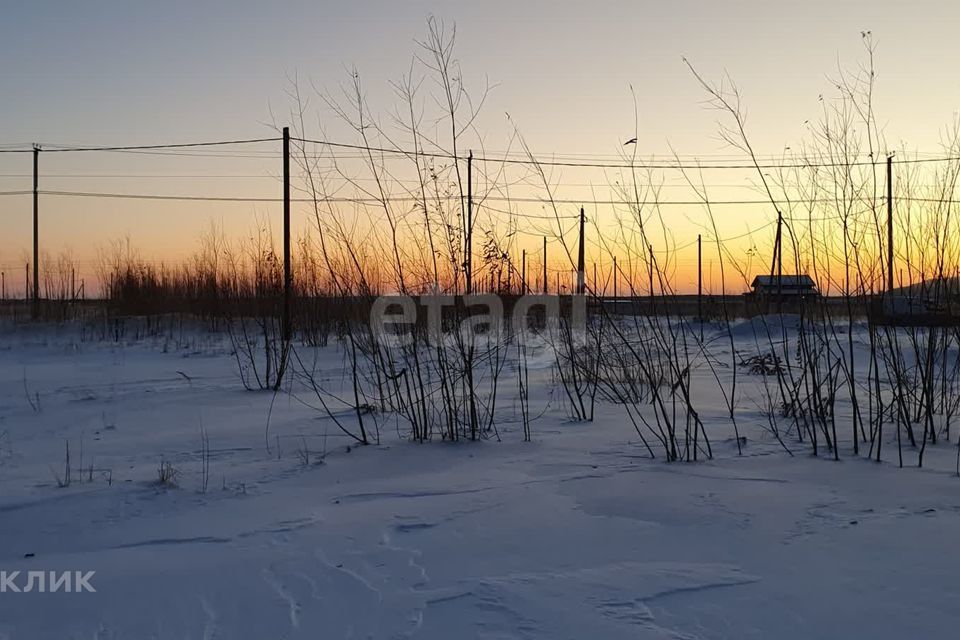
(507, 158)
(413, 199)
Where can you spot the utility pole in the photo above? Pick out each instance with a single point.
(650, 249)
(287, 275)
(36, 231)
(545, 288)
(700, 285)
(779, 254)
(581, 279)
(468, 259)
(890, 224)
(523, 285)
(615, 279)
(779, 262)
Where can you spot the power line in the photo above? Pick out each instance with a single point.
(533, 161)
(112, 176)
(263, 155)
(154, 196)
(55, 148)
(410, 182)
(529, 161)
(416, 199)
(528, 216)
(929, 200)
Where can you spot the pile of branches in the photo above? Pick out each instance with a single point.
(763, 364)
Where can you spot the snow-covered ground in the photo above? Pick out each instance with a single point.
(577, 534)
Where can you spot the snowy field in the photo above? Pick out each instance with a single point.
(577, 534)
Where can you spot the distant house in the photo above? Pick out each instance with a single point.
(792, 287)
(930, 303)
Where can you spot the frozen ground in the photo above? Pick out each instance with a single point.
(575, 535)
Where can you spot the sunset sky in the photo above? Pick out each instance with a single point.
(130, 73)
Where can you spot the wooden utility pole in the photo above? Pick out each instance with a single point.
(890, 224)
(468, 258)
(287, 273)
(523, 282)
(545, 287)
(615, 278)
(650, 249)
(36, 231)
(700, 285)
(779, 256)
(581, 278)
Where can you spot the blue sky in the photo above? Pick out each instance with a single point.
(144, 72)
(119, 71)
